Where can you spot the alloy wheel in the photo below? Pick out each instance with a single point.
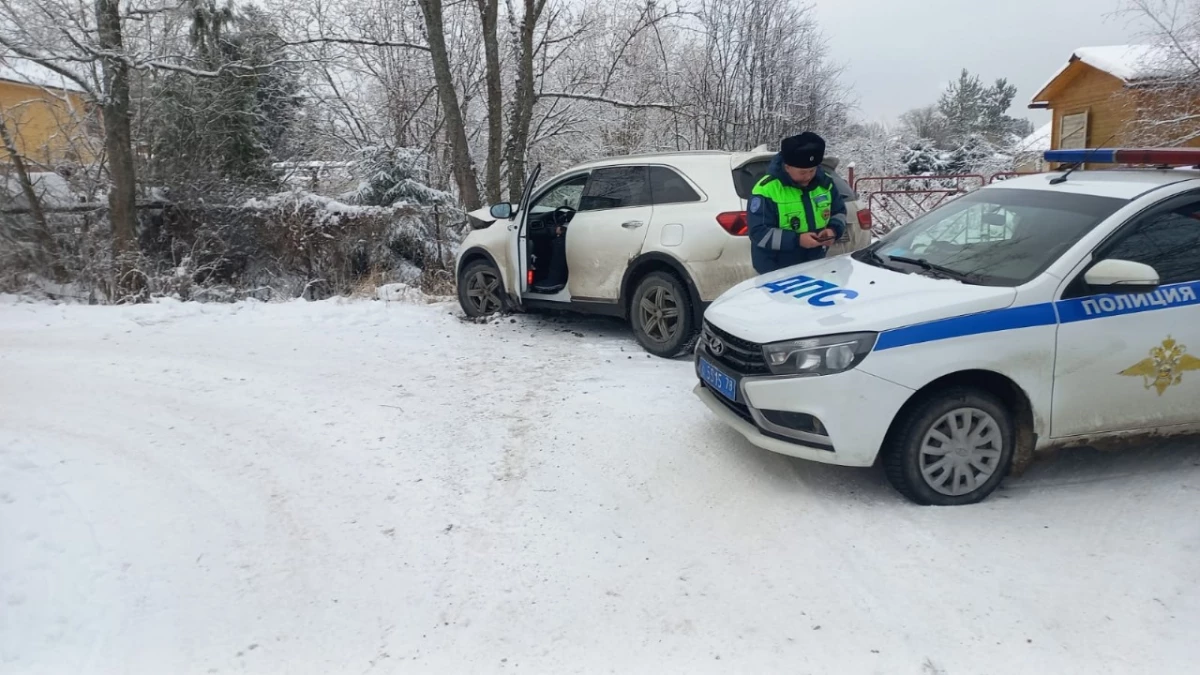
(483, 292)
(659, 313)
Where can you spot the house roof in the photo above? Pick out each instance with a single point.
(1124, 62)
(24, 71)
(1038, 141)
(1128, 63)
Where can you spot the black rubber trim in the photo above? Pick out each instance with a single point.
(1159, 187)
(598, 308)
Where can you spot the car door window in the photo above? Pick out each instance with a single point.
(616, 188)
(567, 193)
(1168, 241)
(668, 187)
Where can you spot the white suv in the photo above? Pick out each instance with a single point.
(650, 238)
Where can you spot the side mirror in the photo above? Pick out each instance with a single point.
(1122, 276)
(502, 211)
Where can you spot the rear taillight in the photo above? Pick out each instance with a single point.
(734, 222)
(864, 219)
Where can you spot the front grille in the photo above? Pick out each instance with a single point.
(741, 356)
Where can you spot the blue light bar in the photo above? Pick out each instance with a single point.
(1093, 155)
(1153, 156)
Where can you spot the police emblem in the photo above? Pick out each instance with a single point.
(755, 204)
(1165, 366)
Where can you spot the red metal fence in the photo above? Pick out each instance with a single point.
(896, 200)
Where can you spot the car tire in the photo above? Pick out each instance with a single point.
(660, 314)
(481, 290)
(953, 447)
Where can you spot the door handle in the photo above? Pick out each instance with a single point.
(631, 224)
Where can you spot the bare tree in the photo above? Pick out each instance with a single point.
(592, 58)
(1163, 98)
(759, 72)
(489, 16)
(924, 122)
(45, 239)
(523, 29)
(122, 196)
(69, 42)
(464, 166)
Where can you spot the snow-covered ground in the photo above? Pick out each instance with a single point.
(381, 487)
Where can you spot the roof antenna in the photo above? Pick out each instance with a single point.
(1059, 180)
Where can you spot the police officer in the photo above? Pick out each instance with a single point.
(795, 211)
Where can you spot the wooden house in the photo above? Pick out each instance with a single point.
(50, 120)
(1096, 98)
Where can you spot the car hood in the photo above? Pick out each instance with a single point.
(482, 215)
(842, 295)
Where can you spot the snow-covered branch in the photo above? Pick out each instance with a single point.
(1164, 103)
(629, 105)
(52, 62)
(360, 42)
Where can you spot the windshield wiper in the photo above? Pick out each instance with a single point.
(934, 267)
(872, 256)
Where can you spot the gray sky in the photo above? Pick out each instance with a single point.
(900, 55)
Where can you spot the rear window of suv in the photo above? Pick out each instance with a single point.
(746, 175)
(843, 187)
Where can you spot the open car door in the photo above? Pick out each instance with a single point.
(518, 255)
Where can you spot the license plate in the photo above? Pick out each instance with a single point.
(715, 378)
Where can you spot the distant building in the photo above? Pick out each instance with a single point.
(1095, 97)
(51, 121)
(1027, 158)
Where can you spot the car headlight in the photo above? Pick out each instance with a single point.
(818, 356)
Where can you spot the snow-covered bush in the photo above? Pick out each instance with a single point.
(922, 157)
(333, 245)
(286, 245)
(394, 176)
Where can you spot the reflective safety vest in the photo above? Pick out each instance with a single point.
(790, 203)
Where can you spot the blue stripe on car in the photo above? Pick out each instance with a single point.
(1043, 314)
(1009, 318)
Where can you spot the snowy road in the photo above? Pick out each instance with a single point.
(367, 487)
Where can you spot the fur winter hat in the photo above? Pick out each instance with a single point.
(804, 151)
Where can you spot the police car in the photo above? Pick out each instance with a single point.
(1043, 311)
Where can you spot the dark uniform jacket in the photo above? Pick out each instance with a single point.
(770, 253)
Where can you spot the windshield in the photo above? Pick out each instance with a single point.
(993, 237)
